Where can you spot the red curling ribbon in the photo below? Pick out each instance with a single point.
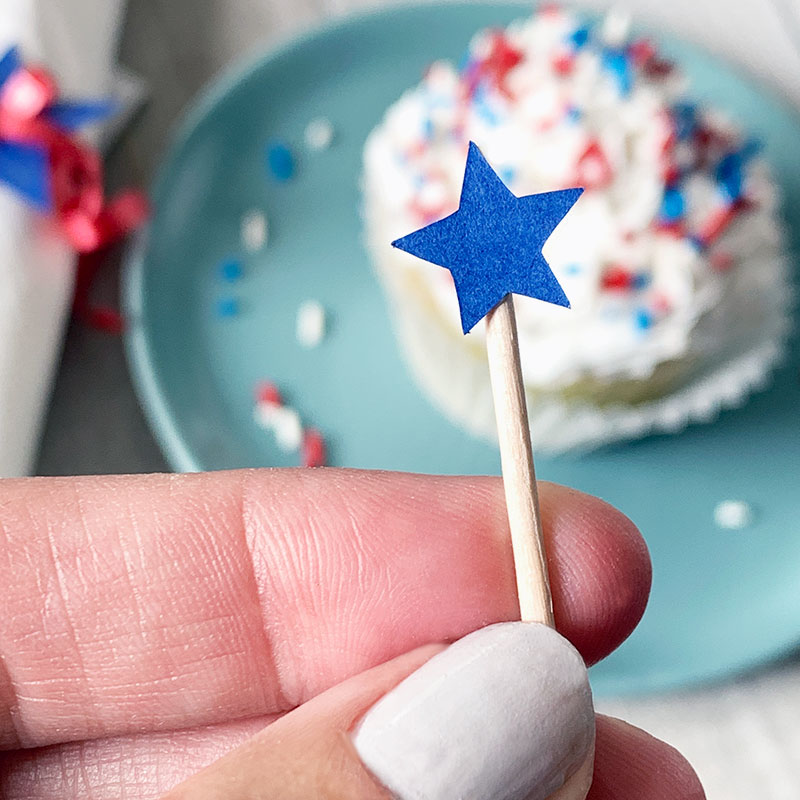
(90, 222)
(125, 212)
(28, 92)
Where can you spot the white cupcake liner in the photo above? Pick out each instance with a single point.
(457, 381)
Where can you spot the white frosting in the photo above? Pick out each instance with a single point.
(533, 125)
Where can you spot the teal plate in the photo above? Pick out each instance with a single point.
(722, 600)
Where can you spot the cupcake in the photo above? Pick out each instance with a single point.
(673, 259)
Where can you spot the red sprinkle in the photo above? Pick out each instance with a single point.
(616, 277)
(658, 67)
(427, 214)
(715, 226)
(672, 174)
(642, 52)
(676, 229)
(721, 261)
(314, 451)
(267, 392)
(550, 9)
(594, 171)
(563, 64)
(501, 60)
(661, 304)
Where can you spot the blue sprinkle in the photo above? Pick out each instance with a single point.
(672, 205)
(579, 37)
(752, 148)
(618, 64)
(230, 271)
(280, 161)
(684, 116)
(483, 108)
(227, 307)
(574, 114)
(729, 175)
(643, 319)
(697, 243)
(641, 280)
(507, 174)
(573, 269)
(427, 128)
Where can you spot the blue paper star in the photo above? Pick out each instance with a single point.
(493, 244)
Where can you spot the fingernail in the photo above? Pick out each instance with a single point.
(504, 713)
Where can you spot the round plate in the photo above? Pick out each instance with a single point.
(722, 600)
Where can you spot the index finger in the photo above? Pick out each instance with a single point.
(161, 602)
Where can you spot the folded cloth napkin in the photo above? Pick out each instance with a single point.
(76, 41)
(763, 36)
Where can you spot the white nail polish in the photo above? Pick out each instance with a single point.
(504, 713)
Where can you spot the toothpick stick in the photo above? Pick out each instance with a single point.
(493, 247)
(516, 456)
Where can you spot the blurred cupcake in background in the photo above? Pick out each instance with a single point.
(673, 259)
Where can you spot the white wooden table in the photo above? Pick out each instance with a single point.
(743, 737)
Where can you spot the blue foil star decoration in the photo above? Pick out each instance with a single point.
(25, 166)
(493, 244)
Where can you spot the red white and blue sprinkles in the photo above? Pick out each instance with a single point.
(270, 412)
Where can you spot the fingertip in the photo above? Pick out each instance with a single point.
(599, 567)
(633, 765)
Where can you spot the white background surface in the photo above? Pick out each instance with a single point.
(743, 737)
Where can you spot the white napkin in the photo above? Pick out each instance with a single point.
(763, 36)
(76, 40)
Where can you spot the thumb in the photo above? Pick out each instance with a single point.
(504, 713)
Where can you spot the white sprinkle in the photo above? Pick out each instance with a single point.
(310, 328)
(264, 414)
(319, 134)
(733, 514)
(254, 230)
(288, 428)
(433, 195)
(616, 27)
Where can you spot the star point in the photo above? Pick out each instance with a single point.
(493, 243)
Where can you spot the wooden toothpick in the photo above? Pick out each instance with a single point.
(493, 247)
(516, 456)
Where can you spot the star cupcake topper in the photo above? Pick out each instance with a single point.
(493, 247)
(493, 244)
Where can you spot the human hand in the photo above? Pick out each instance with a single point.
(152, 624)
